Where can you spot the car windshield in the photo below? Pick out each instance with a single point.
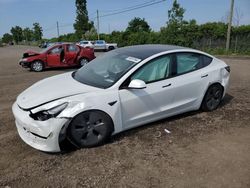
(83, 42)
(46, 49)
(106, 70)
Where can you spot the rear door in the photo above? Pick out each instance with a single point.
(71, 54)
(190, 80)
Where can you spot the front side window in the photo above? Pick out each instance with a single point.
(156, 69)
(56, 50)
(187, 62)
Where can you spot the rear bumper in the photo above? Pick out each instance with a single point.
(42, 135)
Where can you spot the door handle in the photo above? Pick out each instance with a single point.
(203, 76)
(166, 85)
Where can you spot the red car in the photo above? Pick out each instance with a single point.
(59, 55)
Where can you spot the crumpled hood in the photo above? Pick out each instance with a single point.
(52, 88)
(30, 53)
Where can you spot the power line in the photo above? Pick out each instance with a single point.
(49, 28)
(66, 25)
(59, 26)
(120, 12)
(115, 12)
(121, 9)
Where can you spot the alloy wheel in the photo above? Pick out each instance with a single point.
(90, 128)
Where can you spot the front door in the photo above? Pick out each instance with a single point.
(54, 56)
(140, 106)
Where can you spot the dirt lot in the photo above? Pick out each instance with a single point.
(203, 149)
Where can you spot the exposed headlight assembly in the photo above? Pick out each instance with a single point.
(50, 113)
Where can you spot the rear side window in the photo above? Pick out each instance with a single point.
(72, 48)
(206, 60)
(187, 62)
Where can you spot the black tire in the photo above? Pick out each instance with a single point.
(212, 98)
(37, 66)
(83, 61)
(90, 129)
(111, 48)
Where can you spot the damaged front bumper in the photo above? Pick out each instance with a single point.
(24, 64)
(42, 135)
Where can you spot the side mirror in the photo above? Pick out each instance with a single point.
(137, 84)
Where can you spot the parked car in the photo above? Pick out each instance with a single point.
(59, 55)
(86, 44)
(11, 43)
(103, 46)
(44, 45)
(120, 90)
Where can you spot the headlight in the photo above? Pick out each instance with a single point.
(50, 113)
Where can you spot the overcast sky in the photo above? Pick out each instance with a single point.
(47, 12)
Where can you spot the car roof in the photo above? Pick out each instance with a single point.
(147, 50)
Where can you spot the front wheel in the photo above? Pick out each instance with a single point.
(212, 98)
(90, 128)
(37, 66)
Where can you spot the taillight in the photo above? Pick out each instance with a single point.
(228, 68)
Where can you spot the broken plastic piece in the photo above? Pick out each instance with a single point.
(167, 131)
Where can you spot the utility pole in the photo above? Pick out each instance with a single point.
(98, 31)
(229, 25)
(57, 26)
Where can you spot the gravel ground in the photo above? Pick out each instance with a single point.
(202, 150)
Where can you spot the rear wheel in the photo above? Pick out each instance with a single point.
(212, 98)
(91, 128)
(111, 48)
(37, 66)
(83, 61)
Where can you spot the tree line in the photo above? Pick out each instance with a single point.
(19, 34)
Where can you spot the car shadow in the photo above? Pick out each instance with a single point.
(62, 69)
(227, 99)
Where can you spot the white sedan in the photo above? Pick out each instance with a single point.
(119, 90)
(86, 44)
